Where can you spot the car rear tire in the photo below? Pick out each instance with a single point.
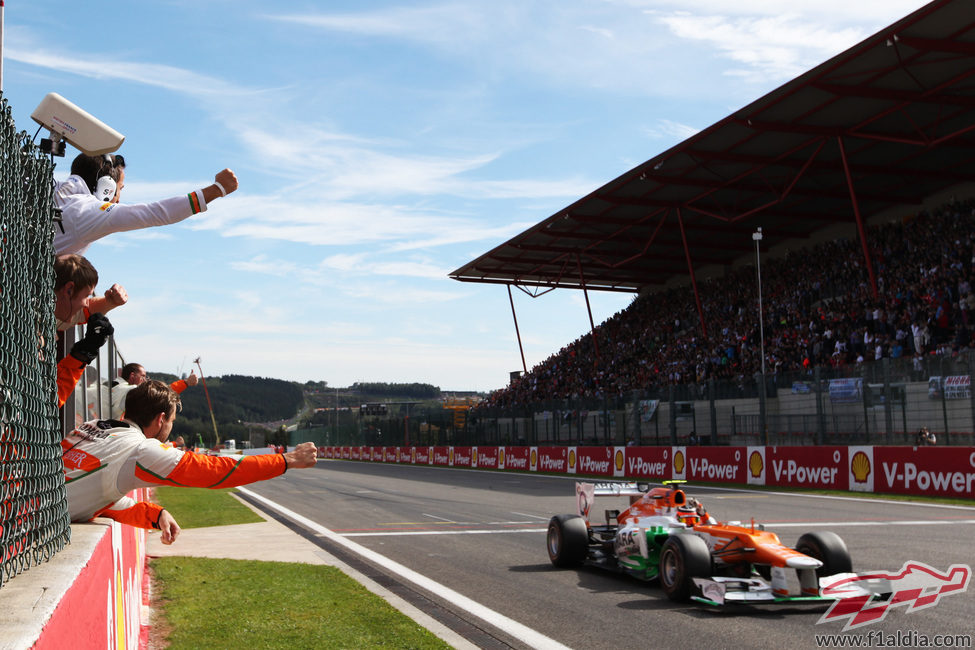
(830, 549)
(683, 558)
(567, 540)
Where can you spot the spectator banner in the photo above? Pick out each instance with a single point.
(648, 462)
(801, 387)
(517, 458)
(715, 464)
(806, 467)
(957, 387)
(846, 390)
(463, 456)
(861, 474)
(593, 461)
(486, 457)
(554, 459)
(647, 408)
(931, 471)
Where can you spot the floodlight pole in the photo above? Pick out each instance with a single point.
(757, 237)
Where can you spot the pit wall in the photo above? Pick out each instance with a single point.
(90, 595)
(919, 471)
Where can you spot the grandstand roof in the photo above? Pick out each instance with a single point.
(897, 111)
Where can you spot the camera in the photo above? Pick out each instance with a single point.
(67, 122)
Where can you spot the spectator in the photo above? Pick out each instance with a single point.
(87, 217)
(925, 438)
(104, 460)
(132, 375)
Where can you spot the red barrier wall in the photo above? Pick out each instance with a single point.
(941, 471)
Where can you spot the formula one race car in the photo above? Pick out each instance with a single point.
(670, 537)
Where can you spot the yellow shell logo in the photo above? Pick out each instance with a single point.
(572, 458)
(619, 459)
(501, 456)
(755, 464)
(450, 454)
(679, 462)
(860, 466)
(430, 455)
(534, 457)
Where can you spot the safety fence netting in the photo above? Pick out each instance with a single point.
(34, 522)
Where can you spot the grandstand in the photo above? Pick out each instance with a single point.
(857, 173)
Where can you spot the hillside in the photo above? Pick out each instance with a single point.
(257, 408)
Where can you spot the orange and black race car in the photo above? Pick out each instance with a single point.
(668, 536)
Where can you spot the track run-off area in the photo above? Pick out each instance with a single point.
(467, 547)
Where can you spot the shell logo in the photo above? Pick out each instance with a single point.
(755, 464)
(572, 458)
(860, 465)
(450, 456)
(534, 460)
(619, 459)
(501, 457)
(430, 454)
(679, 462)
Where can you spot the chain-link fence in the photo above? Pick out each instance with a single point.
(883, 402)
(34, 523)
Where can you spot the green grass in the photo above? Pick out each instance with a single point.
(200, 507)
(248, 604)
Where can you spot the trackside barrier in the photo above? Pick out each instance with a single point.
(90, 595)
(919, 471)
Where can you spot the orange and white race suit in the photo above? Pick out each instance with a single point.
(104, 460)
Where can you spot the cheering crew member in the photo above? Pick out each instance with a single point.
(104, 460)
(88, 212)
(74, 281)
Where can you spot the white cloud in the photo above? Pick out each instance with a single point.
(670, 130)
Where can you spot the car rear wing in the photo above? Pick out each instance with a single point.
(587, 492)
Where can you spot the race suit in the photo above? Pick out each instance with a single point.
(85, 218)
(70, 371)
(104, 460)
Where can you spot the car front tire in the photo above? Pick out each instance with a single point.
(683, 558)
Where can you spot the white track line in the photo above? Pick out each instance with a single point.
(521, 632)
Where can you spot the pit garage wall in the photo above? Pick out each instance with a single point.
(920, 471)
(91, 595)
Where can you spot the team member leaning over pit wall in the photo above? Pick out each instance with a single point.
(104, 460)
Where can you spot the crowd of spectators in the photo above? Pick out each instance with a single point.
(820, 310)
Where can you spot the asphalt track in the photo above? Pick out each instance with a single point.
(468, 547)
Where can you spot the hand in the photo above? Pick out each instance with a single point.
(228, 179)
(116, 295)
(168, 527)
(98, 331)
(304, 455)
(192, 380)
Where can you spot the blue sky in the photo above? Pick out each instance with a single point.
(379, 146)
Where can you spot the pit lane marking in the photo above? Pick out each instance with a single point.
(525, 514)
